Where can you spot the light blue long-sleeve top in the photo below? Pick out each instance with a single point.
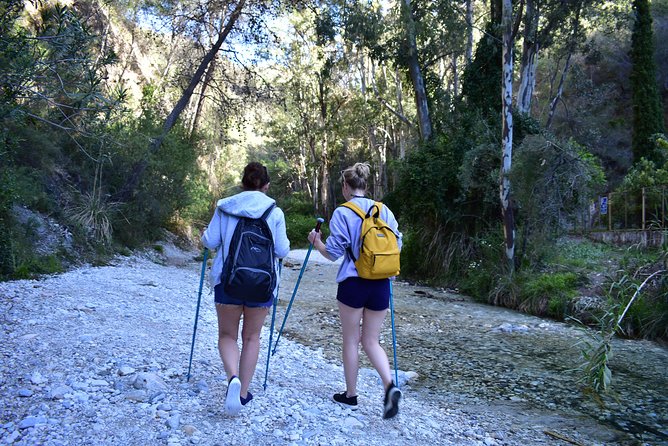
(345, 229)
(221, 228)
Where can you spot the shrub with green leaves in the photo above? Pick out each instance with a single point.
(7, 198)
(298, 228)
(548, 293)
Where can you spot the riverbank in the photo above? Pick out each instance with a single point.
(100, 356)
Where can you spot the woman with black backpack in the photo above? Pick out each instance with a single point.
(240, 289)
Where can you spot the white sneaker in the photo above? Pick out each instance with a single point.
(232, 398)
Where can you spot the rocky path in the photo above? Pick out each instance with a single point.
(99, 356)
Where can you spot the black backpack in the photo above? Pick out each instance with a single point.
(249, 273)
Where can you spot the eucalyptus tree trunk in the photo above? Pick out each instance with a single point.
(424, 121)
(324, 171)
(455, 76)
(371, 128)
(528, 60)
(507, 135)
(559, 93)
(564, 73)
(139, 168)
(400, 108)
(303, 173)
(324, 146)
(469, 31)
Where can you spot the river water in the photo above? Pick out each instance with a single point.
(483, 357)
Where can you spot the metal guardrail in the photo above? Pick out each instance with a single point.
(644, 209)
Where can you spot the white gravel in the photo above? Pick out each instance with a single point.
(99, 356)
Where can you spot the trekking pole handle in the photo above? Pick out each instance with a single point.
(320, 221)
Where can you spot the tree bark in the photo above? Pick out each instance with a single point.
(455, 76)
(571, 49)
(374, 147)
(528, 60)
(560, 90)
(139, 168)
(415, 72)
(400, 109)
(507, 134)
(324, 157)
(202, 93)
(469, 31)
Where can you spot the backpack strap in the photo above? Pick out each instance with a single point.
(357, 210)
(379, 206)
(268, 211)
(353, 207)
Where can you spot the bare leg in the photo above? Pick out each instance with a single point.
(228, 334)
(350, 328)
(371, 326)
(250, 335)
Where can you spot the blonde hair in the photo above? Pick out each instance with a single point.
(356, 175)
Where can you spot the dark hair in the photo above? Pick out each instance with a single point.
(356, 175)
(255, 176)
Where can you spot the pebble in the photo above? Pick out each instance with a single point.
(32, 421)
(25, 393)
(126, 370)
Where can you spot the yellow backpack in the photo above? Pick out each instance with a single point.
(379, 250)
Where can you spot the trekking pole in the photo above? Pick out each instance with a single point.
(294, 292)
(199, 297)
(394, 337)
(271, 329)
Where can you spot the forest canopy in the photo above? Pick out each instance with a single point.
(487, 124)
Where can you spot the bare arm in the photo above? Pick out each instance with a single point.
(314, 238)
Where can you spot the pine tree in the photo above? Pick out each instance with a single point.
(647, 107)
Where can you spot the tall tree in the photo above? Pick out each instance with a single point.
(223, 30)
(415, 71)
(570, 50)
(647, 107)
(480, 83)
(543, 19)
(507, 136)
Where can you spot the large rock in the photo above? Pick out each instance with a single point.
(149, 381)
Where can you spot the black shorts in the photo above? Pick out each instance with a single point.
(364, 293)
(220, 297)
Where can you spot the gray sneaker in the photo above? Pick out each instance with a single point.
(391, 403)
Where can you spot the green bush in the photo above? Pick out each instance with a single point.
(483, 272)
(34, 266)
(581, 254)
(647, 317)
(298, 227)
(296, 203)
(548, 293)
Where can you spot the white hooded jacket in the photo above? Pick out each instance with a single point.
(221, 228)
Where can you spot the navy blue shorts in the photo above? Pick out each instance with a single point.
(364, 293)
(221, 298)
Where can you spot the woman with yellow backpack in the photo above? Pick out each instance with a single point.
(366, 233)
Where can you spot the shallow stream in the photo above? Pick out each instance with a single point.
(485, 356)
